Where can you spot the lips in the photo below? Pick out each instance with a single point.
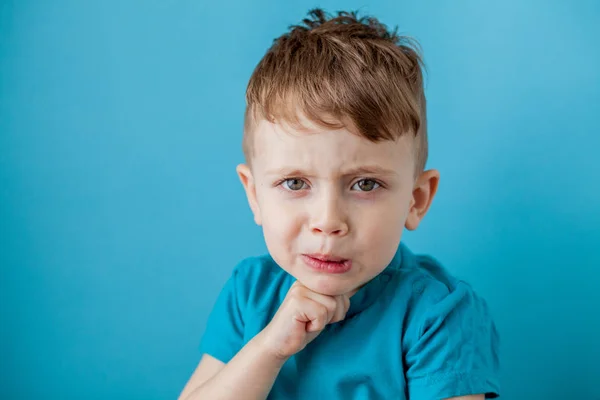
(327, 263)
(325, 257)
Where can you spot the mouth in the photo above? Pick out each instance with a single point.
(327, 263)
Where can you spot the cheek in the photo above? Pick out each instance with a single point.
(282, 222)
(381, 225)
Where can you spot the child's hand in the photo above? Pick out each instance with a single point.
(301, 318)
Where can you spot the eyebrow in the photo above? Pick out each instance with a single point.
(362, 170)
(370, 170)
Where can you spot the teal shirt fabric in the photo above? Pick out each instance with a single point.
(413, 332)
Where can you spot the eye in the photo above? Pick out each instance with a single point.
(294, 184)
(365, 185)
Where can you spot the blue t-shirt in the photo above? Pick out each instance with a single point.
(413, 332)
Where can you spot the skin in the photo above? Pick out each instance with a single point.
(329, 194)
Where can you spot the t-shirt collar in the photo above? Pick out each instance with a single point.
(366, 295)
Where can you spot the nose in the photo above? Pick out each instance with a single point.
(328, 216)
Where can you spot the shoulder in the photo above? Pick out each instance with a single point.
(436, 295)
(256, 267)
(259, 271)
(429, 280)
(260, 282)
(449, 338)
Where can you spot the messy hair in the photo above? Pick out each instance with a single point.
(341, 72)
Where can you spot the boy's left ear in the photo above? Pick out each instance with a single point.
(422, 196)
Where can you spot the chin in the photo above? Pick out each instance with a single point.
(329, 285)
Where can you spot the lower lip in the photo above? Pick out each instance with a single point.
(329, 267)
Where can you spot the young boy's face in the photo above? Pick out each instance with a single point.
(333, 205)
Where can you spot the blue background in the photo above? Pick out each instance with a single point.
(121, 215)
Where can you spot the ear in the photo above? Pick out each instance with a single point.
(422, 196)
(245, 175)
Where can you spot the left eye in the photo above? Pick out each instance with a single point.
(365, 185)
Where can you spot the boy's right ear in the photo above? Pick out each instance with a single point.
(247, 180)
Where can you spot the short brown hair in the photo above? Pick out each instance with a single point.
(342, 68)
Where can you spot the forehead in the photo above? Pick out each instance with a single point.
(277, 145)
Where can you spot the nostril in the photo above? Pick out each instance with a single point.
(338, 231)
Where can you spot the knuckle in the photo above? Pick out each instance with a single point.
(330, 304)
(323, 312)
(322, 321)
(296, 293)
(295, 289)
(295, 301)
(333, 304)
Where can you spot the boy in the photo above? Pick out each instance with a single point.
(335, 141)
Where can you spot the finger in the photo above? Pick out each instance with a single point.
(343, 303)
(329, 302)
(309, 307)
(316, 315)
(339, 310)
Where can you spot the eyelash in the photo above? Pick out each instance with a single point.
(283, 181)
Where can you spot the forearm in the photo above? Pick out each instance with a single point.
(249, 375)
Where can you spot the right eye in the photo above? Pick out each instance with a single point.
(294, 184)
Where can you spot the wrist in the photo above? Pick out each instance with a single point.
(266, 350)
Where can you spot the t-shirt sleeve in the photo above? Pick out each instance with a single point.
(455, 351)
(224, 333)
